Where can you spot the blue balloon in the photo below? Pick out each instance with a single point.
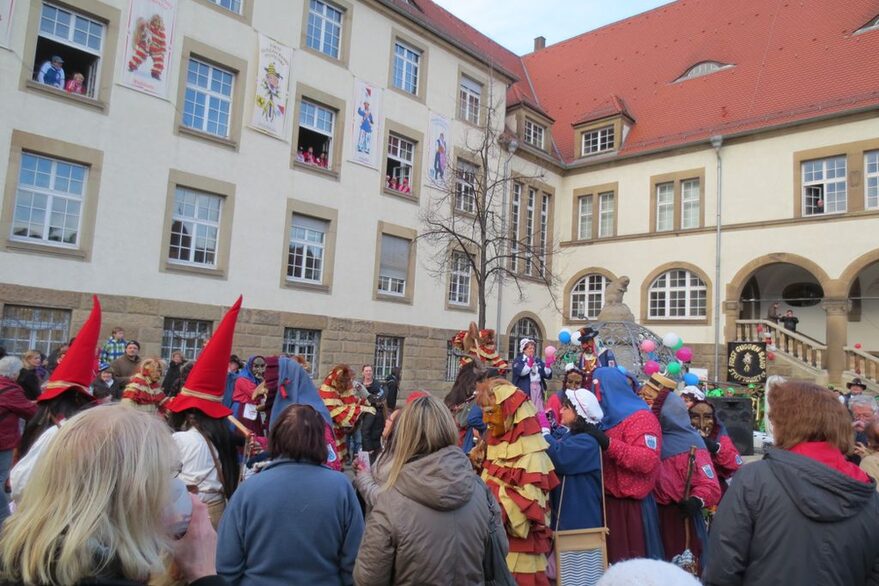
(565, 337)
(691, 379)
(622, 369)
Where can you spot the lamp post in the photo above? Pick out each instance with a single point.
(512, 146)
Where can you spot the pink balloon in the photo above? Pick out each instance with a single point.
(857, 346)
(685, 354)
(648, 345)
(549, 351)
(651, 367)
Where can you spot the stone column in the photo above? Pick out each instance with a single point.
(837, 337)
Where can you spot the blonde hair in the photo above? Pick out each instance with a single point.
(424, 426)
(94, 504)
(26, 359)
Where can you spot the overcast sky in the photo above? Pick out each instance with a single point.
(515, 23)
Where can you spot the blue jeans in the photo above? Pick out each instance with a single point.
(354, 442)
(5, 465)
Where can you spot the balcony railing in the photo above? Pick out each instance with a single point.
(802, 348)
(862, 364)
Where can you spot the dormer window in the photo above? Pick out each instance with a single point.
(598, 140)
(872, 25)
(534, 133)
(703, 68)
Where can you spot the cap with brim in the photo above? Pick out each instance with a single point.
(57, 58)
(856, 382)
(206, 382)
(587, 334)
(77, 370)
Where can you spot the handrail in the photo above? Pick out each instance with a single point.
(862, 364)
(787, 342)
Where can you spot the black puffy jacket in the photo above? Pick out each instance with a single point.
(789, 519)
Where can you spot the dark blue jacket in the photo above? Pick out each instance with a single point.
(523, 381)
(577, 461)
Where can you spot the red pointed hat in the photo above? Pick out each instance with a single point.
(77, 370)
(206, 382)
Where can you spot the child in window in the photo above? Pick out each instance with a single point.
(404, 186)
(300, 155)
(309, 156)
(76, 85)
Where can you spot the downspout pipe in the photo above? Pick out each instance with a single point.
(717, 143)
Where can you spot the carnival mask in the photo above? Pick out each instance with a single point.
(258, 368)
(492, 414)
(588, 347)
(151, 370)
(573, 381)
(702, 418)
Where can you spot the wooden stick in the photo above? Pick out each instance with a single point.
(239, 426)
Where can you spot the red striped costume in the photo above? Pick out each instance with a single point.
(143, 394)
(150, 41)
(344, 405)
(520, 474)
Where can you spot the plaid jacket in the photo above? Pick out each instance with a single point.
(111, 350)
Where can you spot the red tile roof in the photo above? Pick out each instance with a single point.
(611, 106)
(792, 61)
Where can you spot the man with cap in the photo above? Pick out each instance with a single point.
(105, 388)
(592, 354)
(209, 458)
(855, 387)
(128, 364)
(66, 393)
(52, 72)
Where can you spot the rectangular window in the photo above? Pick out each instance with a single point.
(48, 201)
(871, 180)
(585, 230)
(534, 133)
(690, 199)
(33, 328)
(400, 161)
(514, 227)
(406, 63)
(824, 186)
(452, 363)
(465, 187)
(324, 31)
(665, 207)
(195, 227)
(305, 258)
(388, 355)
(459, 281)
(207, 103)
(230, 5)
(529, 230)
(185, 335)
(605, 215)
(317, 125)
(305, 343)
(78, 40)
(394, 265)
(469, 94)
(544, 225)
(597, 141)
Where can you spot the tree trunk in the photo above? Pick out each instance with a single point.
(481, 319)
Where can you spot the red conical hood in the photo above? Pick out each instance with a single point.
(79, 366)
(206, 382)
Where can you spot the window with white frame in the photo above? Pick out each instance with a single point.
(78, 41)
(534, 133)
(230, 5)
(605, 214)
(690, 201)
(587, 296)
(677, 294)
(187, 336)
(305, 343)
(524, 328)
(469, 94)
(49, 200)
(324, 32)
(665, 207)
(399, 164)
(824, 186)
(317, 125)
(459, 279)
(465, 187)
(305, 258)
(207, 105)
(584, 231)
(388, 355)
(195, 227)
(597, 141)
(407, 61)
(871, 180)
(26, 328)
(543, 233)
(529, 230)
(515, 207)
(393, 265)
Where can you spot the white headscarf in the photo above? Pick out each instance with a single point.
(695, 391)
(524, 342)
(585, 404)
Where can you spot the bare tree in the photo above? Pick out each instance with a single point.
(469, 223)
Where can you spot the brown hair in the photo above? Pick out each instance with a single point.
(299, 435)
(805, 412)
(872, 433)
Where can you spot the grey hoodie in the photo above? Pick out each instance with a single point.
(789, 519)
(429, 528)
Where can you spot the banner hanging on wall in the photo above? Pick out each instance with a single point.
(270, 107)
(366, 124)
(148, 46)
(7, 8)
(438, 152)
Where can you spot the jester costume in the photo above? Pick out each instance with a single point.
(337, 393)
(149, 41)
(144, 391)
(475, 344)
(520, 474)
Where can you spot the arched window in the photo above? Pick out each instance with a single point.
(678, 294)
(524, 328)
(702, 68)
(587, 296)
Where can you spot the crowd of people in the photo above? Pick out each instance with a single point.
(129, 470)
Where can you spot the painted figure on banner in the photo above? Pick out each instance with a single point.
(364, 140)
(148, 45)
(268, 100)
(438, 156)
(149, 42)
(271, 92)
(366, 120)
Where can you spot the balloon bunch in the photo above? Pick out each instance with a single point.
(673, 342)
